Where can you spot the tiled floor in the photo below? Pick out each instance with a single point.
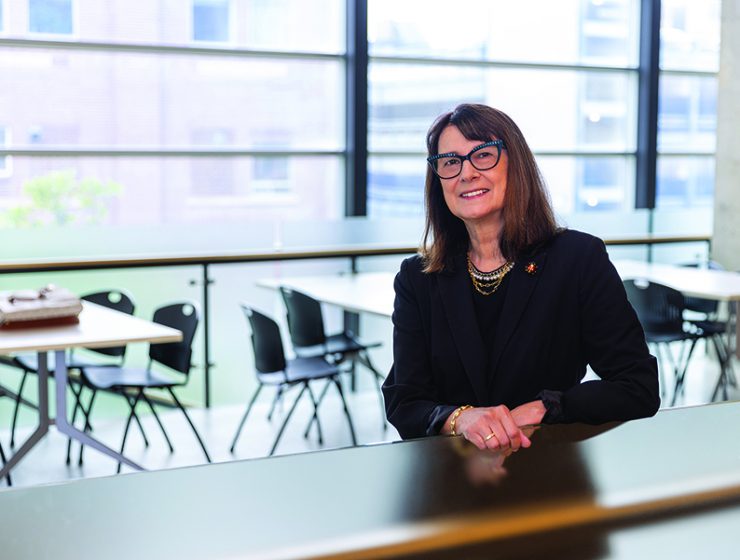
(45, 464)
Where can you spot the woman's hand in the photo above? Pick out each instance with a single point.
(529, 414)
(492, 427)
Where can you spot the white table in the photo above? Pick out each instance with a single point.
(99, 327)
(720, 285)
(705, 283)
(361, 292)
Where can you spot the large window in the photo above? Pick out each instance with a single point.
(564, 71)
(212, 110)
(687, 121)
(252, 130)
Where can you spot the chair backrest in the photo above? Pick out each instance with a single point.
(658, 307)
(269, 354)
(182, 316)
(112, 299)
(708, 307)
(305, 320)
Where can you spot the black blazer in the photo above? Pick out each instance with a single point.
(570, 311)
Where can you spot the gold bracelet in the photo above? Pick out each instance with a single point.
(458, 412)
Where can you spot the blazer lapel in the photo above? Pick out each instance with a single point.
(457, 302)
(524, 278)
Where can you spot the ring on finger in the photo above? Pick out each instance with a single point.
(489, 436)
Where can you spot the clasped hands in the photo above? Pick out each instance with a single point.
(497, 427)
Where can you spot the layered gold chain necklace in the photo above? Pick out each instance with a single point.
(488, 282)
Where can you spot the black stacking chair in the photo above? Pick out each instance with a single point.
(274, 369)
(704, 317)
(28, 363)
(131, 382)
(306, 326)
(660, 310)
(113, 356)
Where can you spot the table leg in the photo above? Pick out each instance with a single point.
(65, 427)
(44, 422)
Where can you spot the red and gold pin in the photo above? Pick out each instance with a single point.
(531, 268)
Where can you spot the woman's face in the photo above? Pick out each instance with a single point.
(473, 196)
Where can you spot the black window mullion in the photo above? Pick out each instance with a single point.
(356, 109)
(647, 111)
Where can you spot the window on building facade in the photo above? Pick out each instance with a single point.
(50, 16)
(211, 20)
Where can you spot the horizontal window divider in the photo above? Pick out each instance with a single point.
(697, 73)
(162, 152)
(500, 64)
(153, 48)
(686, 154)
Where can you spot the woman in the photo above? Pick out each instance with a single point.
(497, 318)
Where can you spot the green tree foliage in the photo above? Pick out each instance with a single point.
(59, 198)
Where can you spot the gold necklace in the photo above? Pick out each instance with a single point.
(488, 282)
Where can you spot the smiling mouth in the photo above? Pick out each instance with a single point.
(473, 194)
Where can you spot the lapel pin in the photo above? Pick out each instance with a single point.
(531, 268)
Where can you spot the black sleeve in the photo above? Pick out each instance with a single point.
(411, 400)
(614, 346)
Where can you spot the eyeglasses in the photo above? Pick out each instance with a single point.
(449, 165)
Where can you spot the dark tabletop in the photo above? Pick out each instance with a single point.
(394, 499)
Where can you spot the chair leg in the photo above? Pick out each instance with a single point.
(364, 358)
(287, 418)
(88, 427)
(2, 457)
(244, 418)
(314, 418)
(346, 410)
(681, 368)
(128, 421)
(156, 417)
(78, 406)
(277, 398)
(197, 436)
(17, 407)
(722, 381)
(141, 429)
(724, 355)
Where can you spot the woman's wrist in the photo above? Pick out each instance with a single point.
(452, 420)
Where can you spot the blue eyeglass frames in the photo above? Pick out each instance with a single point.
(449, 165)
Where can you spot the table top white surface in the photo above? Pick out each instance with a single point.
(694, 282)
(364, 292)
(99, 327)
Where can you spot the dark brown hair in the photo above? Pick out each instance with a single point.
(527, 214)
